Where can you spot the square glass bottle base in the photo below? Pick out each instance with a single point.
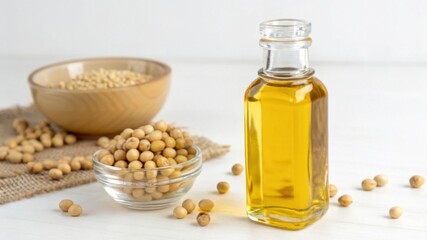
(286, 218)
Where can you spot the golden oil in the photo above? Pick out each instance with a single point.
(286, 140)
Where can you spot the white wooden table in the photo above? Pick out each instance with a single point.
(378, 116)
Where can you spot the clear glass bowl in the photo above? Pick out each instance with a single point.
(148, 189)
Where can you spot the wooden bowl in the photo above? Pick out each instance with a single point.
(100, 111)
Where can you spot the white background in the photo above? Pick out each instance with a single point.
(343, 30)
(372, 56)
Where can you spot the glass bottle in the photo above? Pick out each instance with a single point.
(286, 131)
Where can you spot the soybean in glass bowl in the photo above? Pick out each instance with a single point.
(148, 189)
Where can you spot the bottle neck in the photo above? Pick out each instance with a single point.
(286, 58)
(286, 62)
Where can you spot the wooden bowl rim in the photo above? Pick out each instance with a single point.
(53, 65)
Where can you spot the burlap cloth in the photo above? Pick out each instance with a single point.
(15, 181)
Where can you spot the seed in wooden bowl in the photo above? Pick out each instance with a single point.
(332, 190)
(395, 212)
(65, 204)
(103, 79)
(381, 180)
(416, 181)
(345, 200)
(368, 184)
(203, 219)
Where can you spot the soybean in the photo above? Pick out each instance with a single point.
(332, 190)
(416, 181)
(75, 210)
(381, 180)
(368, 184)
(206, 205)
(65, 204)
(55, 174)
(189, 205)
(223, 187)
(180, 212)
(237, 169)
(345, 200)
(203, 219)
(395, 212)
